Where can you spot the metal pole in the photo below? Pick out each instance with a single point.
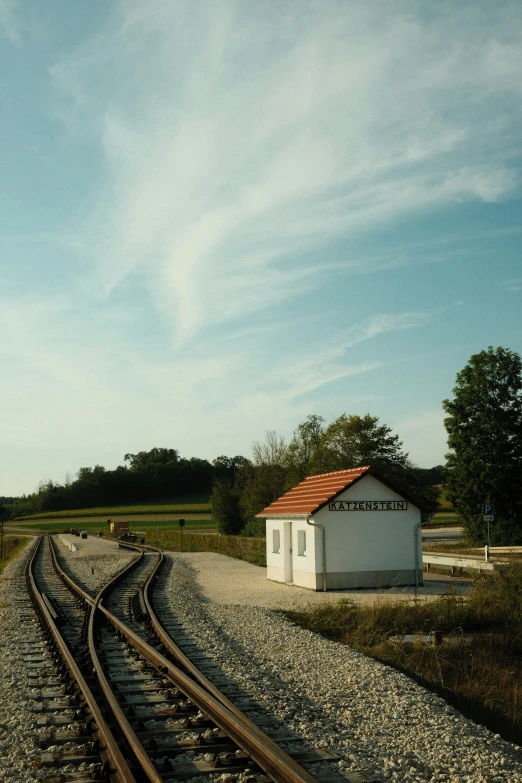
(323, 530)
(2, 512)
(416, 545)
(489, 545)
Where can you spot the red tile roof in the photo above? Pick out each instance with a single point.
(313, 492)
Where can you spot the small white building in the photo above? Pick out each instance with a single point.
(348, 529)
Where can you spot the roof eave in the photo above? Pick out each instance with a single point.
(346, 487)
(286, 516)
(415, 501)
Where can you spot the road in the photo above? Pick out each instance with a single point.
(441, 534)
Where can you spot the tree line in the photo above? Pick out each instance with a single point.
(146, 476)
(240, 487)
(245, 487)
(484, 462)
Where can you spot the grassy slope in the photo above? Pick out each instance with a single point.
(253, 550)
(183, 507)
(13, 545)
(444, 503)
(57, 525)
(479, 664)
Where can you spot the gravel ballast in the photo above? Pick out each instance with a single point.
(377, 719)
(95, 561)
(19, 749)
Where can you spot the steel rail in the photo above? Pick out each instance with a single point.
(198, 675)
(137, 748)
(118, 714)
(249, 737)
(139, 751)
(111, 750)
(268, 756)
(249, 729)
(79, 590)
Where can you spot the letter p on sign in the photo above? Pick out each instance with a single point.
(488, 512)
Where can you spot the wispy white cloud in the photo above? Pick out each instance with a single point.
(246, 156)
(10, 24)
(513, 284)
(245, 137)
(326, 361)
(451, 306)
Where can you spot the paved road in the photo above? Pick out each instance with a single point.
(447, 534)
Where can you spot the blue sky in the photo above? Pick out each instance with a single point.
(220, 217)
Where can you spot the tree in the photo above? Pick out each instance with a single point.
(265, 480)
(144, 460)
(228, 467)
(484, 426)
(226, 510)
(270, 452)
(353, 441)
(302, 449)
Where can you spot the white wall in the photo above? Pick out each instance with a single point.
(304, 562)
(357, 542)
(279, 564)
(369, 540)
(304, 566)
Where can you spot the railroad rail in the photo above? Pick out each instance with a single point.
(155, 715)
(98, 755)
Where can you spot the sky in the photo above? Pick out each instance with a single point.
(219, 217)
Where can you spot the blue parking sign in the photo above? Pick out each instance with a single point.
(488, 511)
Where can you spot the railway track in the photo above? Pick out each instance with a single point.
(154, 715)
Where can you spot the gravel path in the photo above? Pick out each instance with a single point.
(19, 752)
(18, 746)
(226, 580)
(377, 719)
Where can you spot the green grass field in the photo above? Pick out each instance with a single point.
(108, 511)
(253, 550)
(446, 519)
(58, 525)
(13, 545)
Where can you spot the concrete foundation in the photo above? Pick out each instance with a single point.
(351, 580)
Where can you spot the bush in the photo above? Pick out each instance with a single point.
(256, 528)
(253, 550)
(226, 511)
(477, 667)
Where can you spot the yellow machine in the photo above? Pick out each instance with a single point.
(117, 528)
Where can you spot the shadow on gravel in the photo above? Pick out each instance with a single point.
(242, 697)
(77, 578)
(91, 564)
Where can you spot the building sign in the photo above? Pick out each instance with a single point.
(368, 505)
